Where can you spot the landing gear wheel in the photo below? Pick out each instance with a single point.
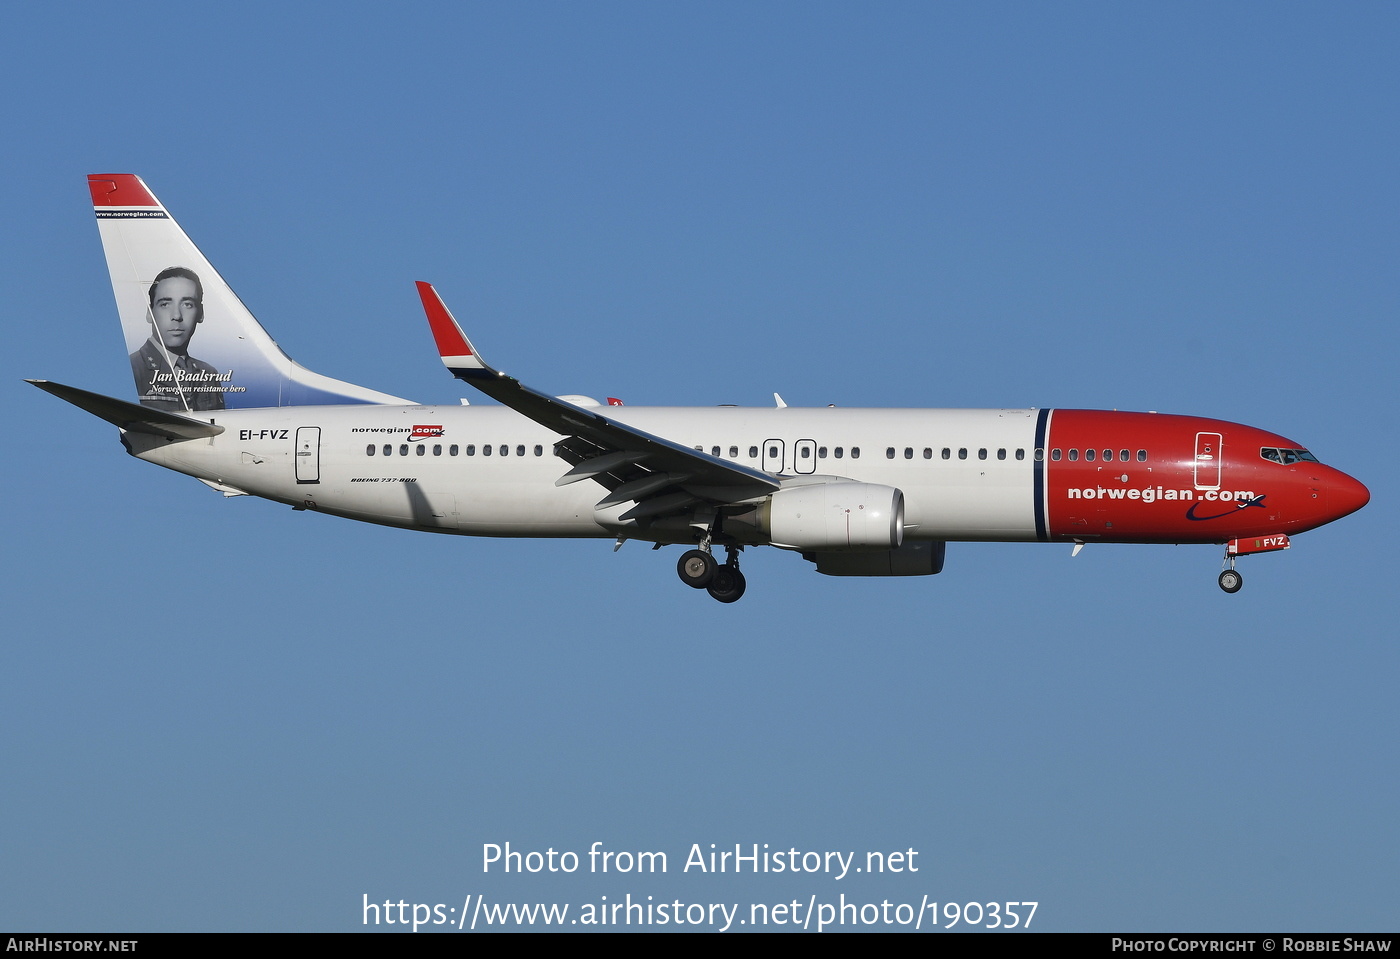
(728, 584)
(696, 568)
(1231, 581)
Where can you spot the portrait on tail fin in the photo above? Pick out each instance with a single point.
(167, 376)
(193, 345)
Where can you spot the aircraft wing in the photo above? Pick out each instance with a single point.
(660, 475)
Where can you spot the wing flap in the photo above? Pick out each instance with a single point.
(605, 463)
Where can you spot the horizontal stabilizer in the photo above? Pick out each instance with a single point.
(131, 416)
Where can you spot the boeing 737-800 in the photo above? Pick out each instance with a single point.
(857, 492)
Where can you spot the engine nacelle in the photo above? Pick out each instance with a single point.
(835, 516)
(911, 559)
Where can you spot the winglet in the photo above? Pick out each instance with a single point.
(453, 346)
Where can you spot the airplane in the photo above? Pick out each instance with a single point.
(857, 492)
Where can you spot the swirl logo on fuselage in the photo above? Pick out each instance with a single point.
(1256, 501)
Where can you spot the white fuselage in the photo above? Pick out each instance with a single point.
(375, 463)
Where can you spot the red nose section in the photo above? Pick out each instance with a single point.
(1346, 495)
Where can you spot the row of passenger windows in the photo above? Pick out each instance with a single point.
(891, 452)
(804, 451)
(1090, 455)
(775, 451)
(421, 449)
(947, 453)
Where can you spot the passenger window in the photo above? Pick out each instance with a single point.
(855, 452)
(734, 452)
(714, 450)
(821, 452)
(1055, 455)
(772, 452)
(928, 453)
(539, 450)
(369, 450)
(403, 449)
(947, 453)
(471, 449)
(1123, 456)
(839, 452)
(520, 450)
(388, 450)
(505, 450)
(889, 452)
(962, 453)
(1142, 456)
(753, 452)
(1001, 454)
(982, 453)
(485, 449)
(437, 449)
(909, 452)
(805, 452)
(452, 450)
(1088, 456)
(1073, 455)
(422, 449)
(1021, 454)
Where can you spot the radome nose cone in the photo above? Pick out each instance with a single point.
(1347, 495)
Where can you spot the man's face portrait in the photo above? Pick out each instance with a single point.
(175, 310)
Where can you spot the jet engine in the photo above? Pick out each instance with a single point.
(834, 516)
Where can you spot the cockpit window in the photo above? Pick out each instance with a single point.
(1276, 455)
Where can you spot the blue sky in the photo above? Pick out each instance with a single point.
(222, 715)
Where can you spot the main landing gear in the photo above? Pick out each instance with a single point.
(698, 569)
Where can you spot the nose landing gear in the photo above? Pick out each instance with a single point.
(1229, 580)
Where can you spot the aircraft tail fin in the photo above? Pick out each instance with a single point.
(192, 343)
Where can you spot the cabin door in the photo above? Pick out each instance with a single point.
(308, 454)
(1207, 461)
